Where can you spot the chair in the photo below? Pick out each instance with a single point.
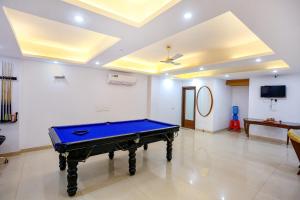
(3, 159)
(295, 139)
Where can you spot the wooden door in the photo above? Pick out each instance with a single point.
(188, 107)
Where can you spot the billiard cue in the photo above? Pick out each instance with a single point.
(5, 92)
(2, 92)
(6, 84)
(9, 91)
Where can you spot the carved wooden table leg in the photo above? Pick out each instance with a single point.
(111, 155)
(169, 148)
(246, 127)
(132, 161)
(145, 147)
(72, 177)
(287, 138)
(62, 162)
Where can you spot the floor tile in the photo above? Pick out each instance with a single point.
(218, 166)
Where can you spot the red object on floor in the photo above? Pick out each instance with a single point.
(235, 125)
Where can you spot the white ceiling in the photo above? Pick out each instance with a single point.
(276, 22)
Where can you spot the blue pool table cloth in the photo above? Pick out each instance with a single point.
(106, 130)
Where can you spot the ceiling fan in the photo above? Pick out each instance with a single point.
(170, 60)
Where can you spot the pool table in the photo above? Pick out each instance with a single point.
(76, 143)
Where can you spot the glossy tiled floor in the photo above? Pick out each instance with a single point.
(222, 166)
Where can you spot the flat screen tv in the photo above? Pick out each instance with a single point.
(273, 91)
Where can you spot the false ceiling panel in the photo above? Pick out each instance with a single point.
(265, 66)
(221, 39)
(44, 38)
(132, 12)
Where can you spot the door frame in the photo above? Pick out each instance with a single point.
(183, 104)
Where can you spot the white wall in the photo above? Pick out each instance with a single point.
(166, 102)
(202, 123)
(287, 109)
(165, 99)
(222, 105)
(240, 98)
(220, 115)
(83, 97)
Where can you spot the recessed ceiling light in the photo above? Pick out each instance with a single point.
(97, 63)
(201, 68)
(166, 74)
(79, 19)
(55, 62)
(275, 71)
(258, 60)
(226, 75)
(188, 15)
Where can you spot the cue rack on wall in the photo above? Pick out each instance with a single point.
(7, 78)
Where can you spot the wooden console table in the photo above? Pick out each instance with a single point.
(285, 125)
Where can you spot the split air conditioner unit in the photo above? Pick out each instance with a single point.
(121, 79)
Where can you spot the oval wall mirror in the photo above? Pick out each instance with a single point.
(204, 101)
